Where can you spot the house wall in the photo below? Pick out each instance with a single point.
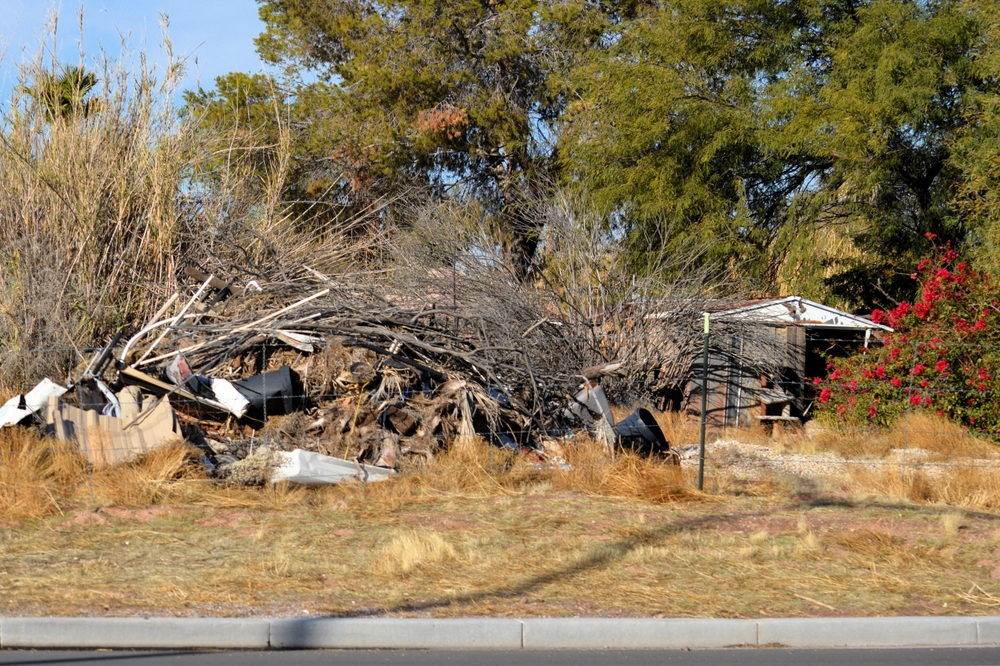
(735, 380)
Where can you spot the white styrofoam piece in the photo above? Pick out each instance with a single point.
(310, 468)
(34, 400)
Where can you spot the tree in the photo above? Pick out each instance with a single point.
(768, 125)
(242, 116)
(462, 96)
(62, 95)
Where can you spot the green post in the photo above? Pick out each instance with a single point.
(704, 407)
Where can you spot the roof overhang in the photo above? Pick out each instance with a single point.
(798, 311)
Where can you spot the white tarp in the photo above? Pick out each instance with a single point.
(34, 400)
(310, 468)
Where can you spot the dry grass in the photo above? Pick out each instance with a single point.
(528, 554)
(480, 531)
(961, 486)
(40, 476)
(945, 439)
(412, 549)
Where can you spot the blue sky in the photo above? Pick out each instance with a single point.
(216, 35)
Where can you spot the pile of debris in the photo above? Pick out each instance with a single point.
(318, 381)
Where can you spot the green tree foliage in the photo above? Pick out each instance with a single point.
(459, 95)
(810, 145)
(977, 152)
(759, 124)
(242, 118)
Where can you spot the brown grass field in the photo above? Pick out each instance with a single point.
(481, 532)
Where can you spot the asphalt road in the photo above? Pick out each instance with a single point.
(975, 656)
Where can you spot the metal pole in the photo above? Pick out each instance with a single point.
(704, 407)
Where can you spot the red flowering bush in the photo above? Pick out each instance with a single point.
(944, 354)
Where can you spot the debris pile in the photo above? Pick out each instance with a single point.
(316, 381)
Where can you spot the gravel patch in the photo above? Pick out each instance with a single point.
(752, 460)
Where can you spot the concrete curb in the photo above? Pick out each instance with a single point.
(493, 633)
(397, 633)
(133, 632)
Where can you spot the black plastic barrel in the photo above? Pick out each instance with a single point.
(270, 394)
(641, 433)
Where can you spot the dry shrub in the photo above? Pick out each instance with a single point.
(917, 430)
(948, 439)
(161, 475)
(89, 212)
(41, 476)
(952, 522)
(893, 482)
(593, 469)
(971, 487)
(967, 486)
(37, 475)
(105, 199)
(409, 550)
(677, 427)
(853, 443)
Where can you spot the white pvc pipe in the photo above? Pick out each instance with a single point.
(176, 319)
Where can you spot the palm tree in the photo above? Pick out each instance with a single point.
(62, 95)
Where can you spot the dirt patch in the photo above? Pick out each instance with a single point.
(141, 515)
(230, 519)
(435, 523)
(83, 518)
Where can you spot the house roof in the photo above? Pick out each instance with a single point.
(797, 311)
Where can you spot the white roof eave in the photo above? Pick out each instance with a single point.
(834, 318)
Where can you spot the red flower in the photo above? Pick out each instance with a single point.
(914, 399)
(880, 372)
(871, 411)
(824, 395)
(927, 401)
(894, 353)
(924, 383)
(922, 309)
(979, 325)
(853, 385)
(841, 408)
(817, 380)
(835, 375)
(896, 381)
(940, 413)
(923, 264)
(917, 369)
(942, 365)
